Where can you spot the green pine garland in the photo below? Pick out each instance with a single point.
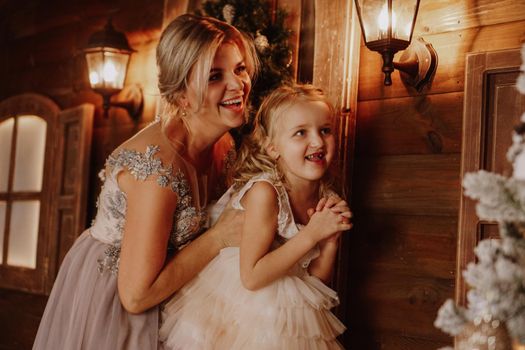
(254, 17)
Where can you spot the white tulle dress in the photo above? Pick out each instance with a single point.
(215, 311)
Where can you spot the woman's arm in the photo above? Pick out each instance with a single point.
(143, 279)
(258, 265)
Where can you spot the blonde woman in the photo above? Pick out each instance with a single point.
(269, 293)
(148, 238)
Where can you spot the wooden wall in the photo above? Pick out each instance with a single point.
(408, 145)
(406, 178)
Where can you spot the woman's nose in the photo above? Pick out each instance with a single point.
(234, 82)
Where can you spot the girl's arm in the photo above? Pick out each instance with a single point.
(322, 267)
(258, 265)
(144, 280)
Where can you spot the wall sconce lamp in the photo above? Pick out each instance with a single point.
(387, 27)
(107, 55)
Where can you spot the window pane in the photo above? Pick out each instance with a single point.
(6, 134)
(2, 229)
(23, 234)
(30, 151)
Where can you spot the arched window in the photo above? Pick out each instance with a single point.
(44, 155)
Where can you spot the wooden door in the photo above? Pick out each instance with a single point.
(69, 184)
(44, 166)
(492, 107)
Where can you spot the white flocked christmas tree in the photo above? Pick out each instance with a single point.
(496, 298)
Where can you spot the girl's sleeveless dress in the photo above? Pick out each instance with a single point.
(84, 309)
(215, 311)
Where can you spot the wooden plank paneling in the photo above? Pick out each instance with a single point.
(402, 304)
(413, 125)
(407, 177)
(364, 338)
(330, 24)
(411, 245)
(408, 184)
(400, 341)
(451, 48)
(438, 16)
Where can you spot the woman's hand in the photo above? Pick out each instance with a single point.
(228, 227)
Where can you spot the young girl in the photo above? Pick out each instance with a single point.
(268, 294)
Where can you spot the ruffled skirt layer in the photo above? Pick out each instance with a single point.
(214, 311)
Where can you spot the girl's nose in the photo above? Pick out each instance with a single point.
(316, 140)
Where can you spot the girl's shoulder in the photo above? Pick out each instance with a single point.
(266, 186)
(263, 177)
(271, 191)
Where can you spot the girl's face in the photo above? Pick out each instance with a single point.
(304, 142)
(229, 86)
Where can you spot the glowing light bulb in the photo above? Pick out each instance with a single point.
(383, 22)
(110, 72)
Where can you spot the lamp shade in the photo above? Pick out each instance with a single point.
(387, 27)
(107, 55)
(384, 19)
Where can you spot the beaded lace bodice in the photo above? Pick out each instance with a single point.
(108, 225)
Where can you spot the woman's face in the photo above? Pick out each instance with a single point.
(229, 86)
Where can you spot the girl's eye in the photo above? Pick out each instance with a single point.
(326, 131)
(299, 133)
(240, 69)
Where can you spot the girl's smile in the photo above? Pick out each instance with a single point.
(317, 157)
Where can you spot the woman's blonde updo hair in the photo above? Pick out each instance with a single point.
(252, 157)
(186, 50)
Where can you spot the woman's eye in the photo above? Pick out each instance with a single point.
(326, 131)
(240, 69)
(215, 77)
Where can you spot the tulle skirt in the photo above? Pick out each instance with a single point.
(214, 311)
(84, 310)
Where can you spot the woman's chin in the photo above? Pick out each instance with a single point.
(234, 119)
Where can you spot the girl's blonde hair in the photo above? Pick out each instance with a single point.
(187, 48)
(252, 156)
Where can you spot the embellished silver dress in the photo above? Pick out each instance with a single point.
(84, 309)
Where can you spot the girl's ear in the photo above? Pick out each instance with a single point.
(272, 151)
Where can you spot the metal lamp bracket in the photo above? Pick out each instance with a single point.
(130, 98)
(417, 64)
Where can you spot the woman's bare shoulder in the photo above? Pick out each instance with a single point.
(147, 155)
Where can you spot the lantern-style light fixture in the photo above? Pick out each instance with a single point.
(387, 27)
(107, 54)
